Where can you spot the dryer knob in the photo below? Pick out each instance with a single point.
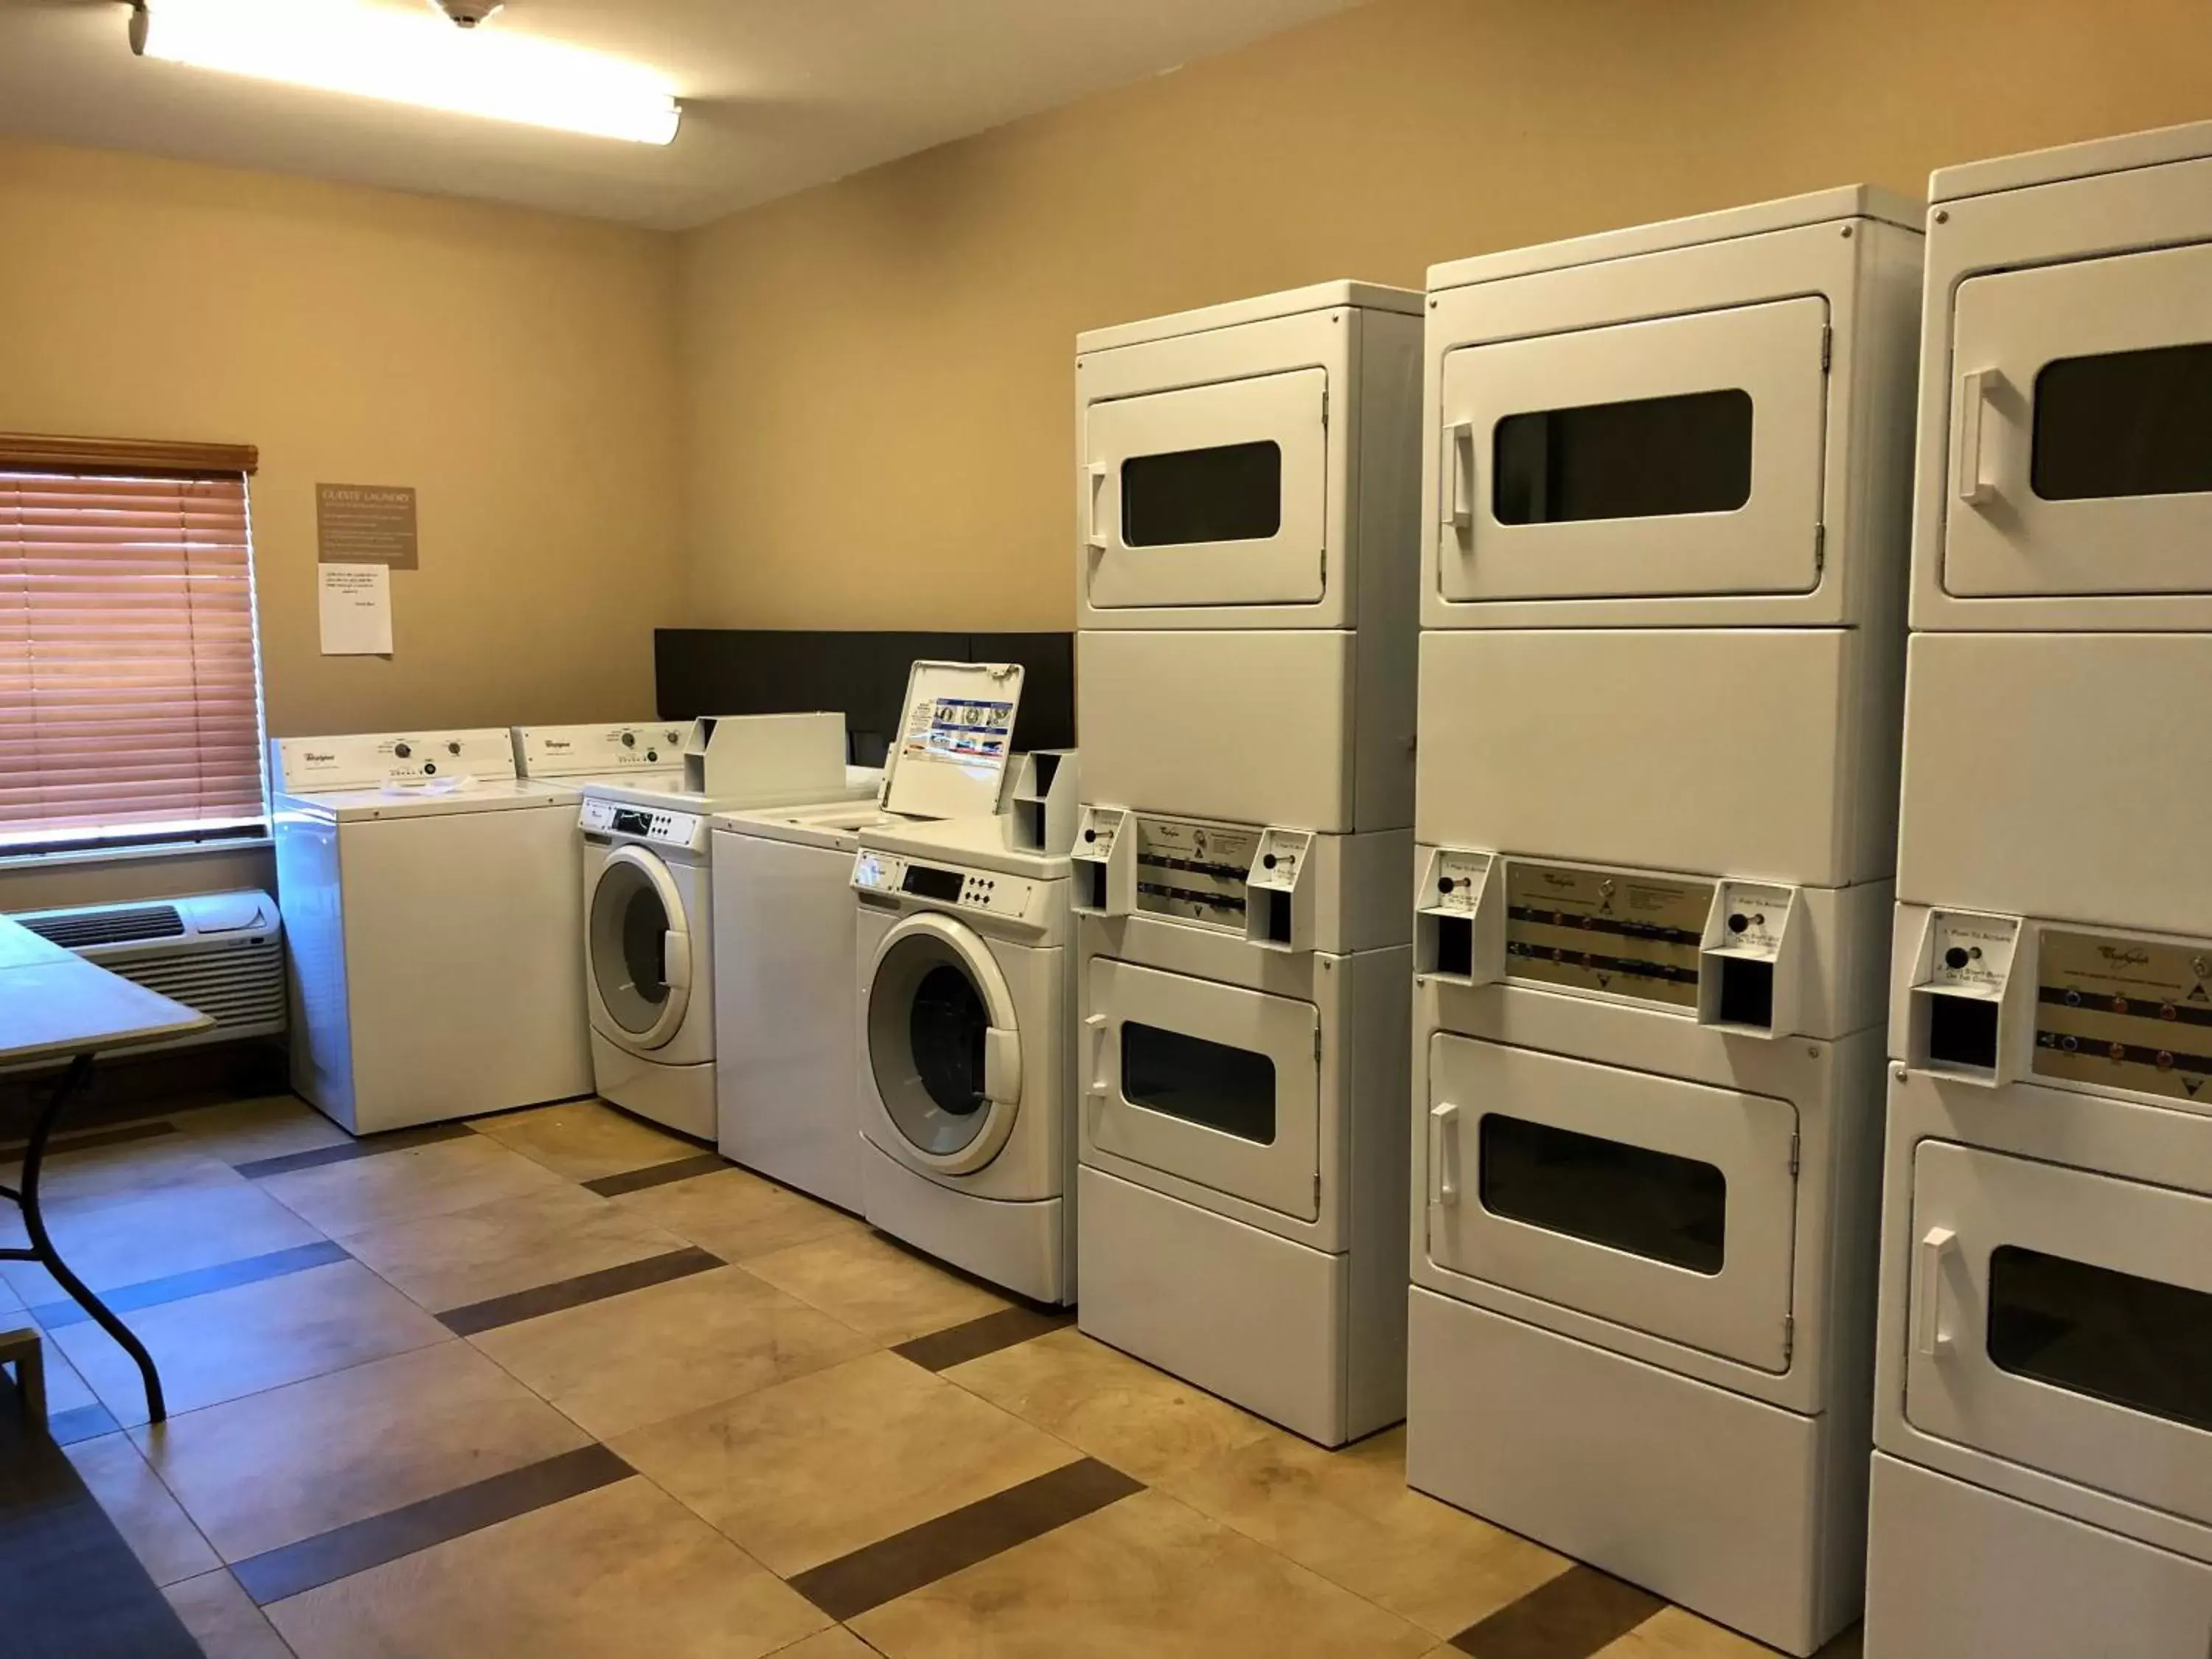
(452, 749)
(653, 754)
(429, 767)
(402, 751)
(629, 739)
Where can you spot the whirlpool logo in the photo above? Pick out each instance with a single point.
(2124, 956)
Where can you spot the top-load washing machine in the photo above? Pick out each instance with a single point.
(1662, 596)
(2042, 1480)
(785, 1090)
(964, 1083)
(648, 895)
(1245, 571)
(433, 909)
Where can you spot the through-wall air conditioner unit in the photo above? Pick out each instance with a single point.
(222, 954)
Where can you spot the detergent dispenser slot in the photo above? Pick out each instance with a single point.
(1045, 808)
(1963, 1016)
(1459, 917)
(1104, 855)
(1279, 893)
(1748, 974)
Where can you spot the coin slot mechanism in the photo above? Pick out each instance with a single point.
(1748, 976)
(1459, 917)
(1279, 891)
(1103, 854)
(1964, 1015)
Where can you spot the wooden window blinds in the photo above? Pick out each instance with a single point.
(130, 683)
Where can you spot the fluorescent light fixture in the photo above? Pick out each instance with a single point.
(413, 56)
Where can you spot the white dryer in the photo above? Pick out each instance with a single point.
(432, 906)
(647, 901)
(961, 943)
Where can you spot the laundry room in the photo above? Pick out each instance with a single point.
(1292, 827)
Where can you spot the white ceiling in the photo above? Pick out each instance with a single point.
(779, 94)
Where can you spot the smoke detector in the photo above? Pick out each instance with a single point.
(468, 13)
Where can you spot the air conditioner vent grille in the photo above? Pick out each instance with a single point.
(76, 930)
(241, 987)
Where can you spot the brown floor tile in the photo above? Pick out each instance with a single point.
(409, 1184)
(618, 1573)
(237, 1342)
(125, 1238)
(1350, 1516)
(583, 1139)
(1144, 1576)
(657, 1352)
(737, 1215)
(223, 1619)
(510, 1244)
(136, 1169)
(817, 1467)
(1676, 1633)
(835, 1643)
(243, 1131)
(158, 1533)
(1573, 1614)
(1119, 1411)
(260, 1473)
(875, 1286)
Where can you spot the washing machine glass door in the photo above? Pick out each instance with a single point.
(638, 948)
(2081, 453)
(943, 1044)
(1213, 1083)
(1665, 1206)
(2062, 1319)
(1211, 494)
(1682, 455)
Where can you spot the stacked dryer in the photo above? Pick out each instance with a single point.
(1660, 684)
(2043, 1471)
(1247, 504)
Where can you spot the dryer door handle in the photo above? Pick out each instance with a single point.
(1977, 388)
(1002, 1064)
(1443, 1180)
(675, 959)
(1459, 475)
(1928, 1333)
(1093, 482)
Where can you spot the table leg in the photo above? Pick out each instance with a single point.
(42, 1249)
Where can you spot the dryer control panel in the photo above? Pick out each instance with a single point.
(614, 820)
(930, 886)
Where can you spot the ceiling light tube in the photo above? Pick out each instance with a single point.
(412, 57)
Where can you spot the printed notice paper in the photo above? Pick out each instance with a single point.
(357, 607)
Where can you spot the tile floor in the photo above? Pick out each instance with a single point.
(555, 1384)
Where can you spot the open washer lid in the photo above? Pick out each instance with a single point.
(955, 738)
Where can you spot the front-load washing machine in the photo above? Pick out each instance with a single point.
(648, 926)
(430, 902)
(961, 942)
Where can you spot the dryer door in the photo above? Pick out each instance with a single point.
(2080, 454)
(638, 949)
(1213, 495)
(1216, 1084)
(1665, 1206)
(2062, 1320)
(1681, 455)
(944, 1045)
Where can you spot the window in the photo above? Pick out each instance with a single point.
(2124, 424)
(130, 683)
(1631, 1198)
(2136, 1342)
(1651, 458)
(1232, 1089)
(1231, 493)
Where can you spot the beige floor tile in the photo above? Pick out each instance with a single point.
(1144, 1576)
(124, 1240)
(244, 1130)
(435, 1179)
(815, 1469)
(65, 1389)
(1142, 1421)
(10, 1305)
(650, 1354)
(131, 1169)
(584, 1139)
(1675, 1633)
(223, 1619)
(875, 1286)
(231, 1343)
(835, 1643)
(300, 1459)
(619, 1572)
(737, 1215)
(511, 1245)
(1350, 1516)
(158, 1533)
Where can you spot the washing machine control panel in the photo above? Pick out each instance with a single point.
(615, 820)
(948, 887)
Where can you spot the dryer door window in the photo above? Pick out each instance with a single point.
(1208, 495)
(2080, 429)
(1218, 1084)
(1662, 1205)
(942, 1045)
(2062, 1319)
(1679, 456)
(638, 948)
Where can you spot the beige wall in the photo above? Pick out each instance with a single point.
(878, 380)
(518, 368)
